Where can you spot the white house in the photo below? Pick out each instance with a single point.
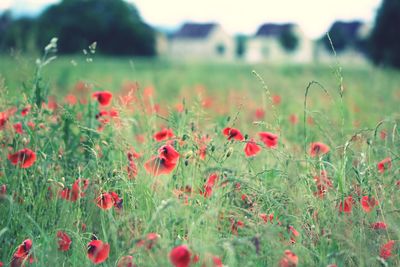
(349, 41)
(208, 41)
(279, 43)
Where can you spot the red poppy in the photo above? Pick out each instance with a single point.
(71, 99)
(1, 264)
(379, 226)
(251, 148)
(76, 192)
(347, 205)
(103, 97)
(323, 184)
(22, 254)
(25, 158)
(293, 119)
(97, 251)
(3, 190)
(269, 139)
(3, 120)
(368, 203)
(164, 134)
(132, 169)
(18, 128)
(276, 99)
(180, 256)
(289, 259)
(164, 163)
(383, 134)
(266, 217)
(260, 114)
(384, 165)
(318, 149)
(64, 241)
(210, 184)
(233, 133)
(386, 250)
(217, 262)
(125, 261)
(293, 234)
(107, 200)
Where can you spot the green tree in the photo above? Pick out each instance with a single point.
(384, 42)
(289, 39)
(114, 24)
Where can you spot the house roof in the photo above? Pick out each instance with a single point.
(195, 30)
(349, 30)
(272, 29)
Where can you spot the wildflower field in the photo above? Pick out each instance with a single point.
(121, 162)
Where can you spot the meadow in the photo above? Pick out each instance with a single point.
(138, 162)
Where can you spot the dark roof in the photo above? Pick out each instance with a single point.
(272, 29)
(194, 30)
(347, 29)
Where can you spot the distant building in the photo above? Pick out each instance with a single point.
(279, 43)
(349, 41)
(202, 42)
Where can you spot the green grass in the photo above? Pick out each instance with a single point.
(279, 181)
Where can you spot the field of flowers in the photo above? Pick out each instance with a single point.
(121, 162)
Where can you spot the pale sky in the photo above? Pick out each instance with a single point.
(237, 16)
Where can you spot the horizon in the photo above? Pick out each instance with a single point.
(315, 20)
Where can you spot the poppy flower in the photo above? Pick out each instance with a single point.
(164, 162)
(18, 128)
(97, 251)
(3, 190)
(125, 261)
(164, 134)
(384, 165)
(210, 184)
(251, 148)
(24, 158)
(1, 264)
(318, 149)
(293, 234)
(3, 120)
(180, 256)
(386, 250)
(260, 114)
(105, 201)
(269, 139)
(217, 262)
(383, 134)
(104, 97)
(64, 241)
(289, 259)
(368, 203)
(293, 119)
(132, 169)
(347, 205)
(323, 183)
(71, 99)
(22, 254)
(266, 217)
(276, 99)
(379, 226)
(76, 192)
(233, 133)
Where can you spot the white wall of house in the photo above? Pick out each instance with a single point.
(269, 49)
(208, 48)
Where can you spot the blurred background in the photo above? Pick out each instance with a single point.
(251, 31)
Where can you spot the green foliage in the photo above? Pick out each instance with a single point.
(385, 39)
(289, 40)
(18, 34)
(115, 25)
